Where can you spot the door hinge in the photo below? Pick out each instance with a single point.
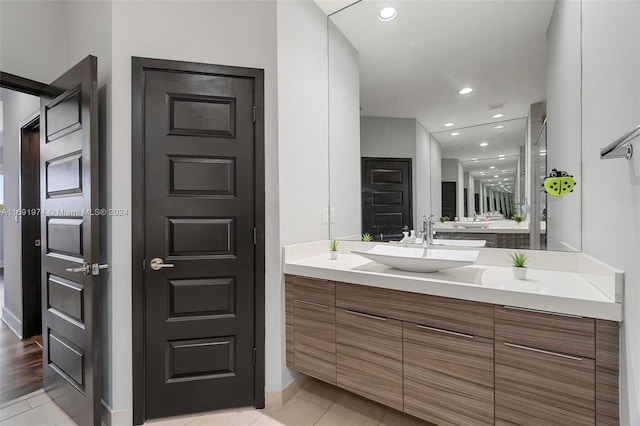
(255, 351)
(254, 113)
(255, 236)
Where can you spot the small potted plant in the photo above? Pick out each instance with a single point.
(519, 261)
(367, 237)
(333, 249)
(518, 218)
(444, 219)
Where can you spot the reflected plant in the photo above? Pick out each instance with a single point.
(367, 237)
(333, 245)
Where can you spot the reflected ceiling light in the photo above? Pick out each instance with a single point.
(506, 179)
(499, 127)
(387, 14)
(484, 144)
(503, 170)
(496, 176)
(465, 91)
(476, 161)
(498, 115)
(501, 155)
(492, 167)
(455, 133)
(501, 158)
(481, 173)
(448, 124)
(543, 153)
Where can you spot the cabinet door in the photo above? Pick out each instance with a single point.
(448, 376)
(314, 326)
(369, 356)
(536, 387)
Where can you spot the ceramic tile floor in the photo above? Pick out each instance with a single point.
(316, 404)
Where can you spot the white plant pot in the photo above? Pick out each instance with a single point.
(519, 273)
(334, 255)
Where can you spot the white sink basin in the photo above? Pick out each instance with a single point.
(419, 259)
(479, 224)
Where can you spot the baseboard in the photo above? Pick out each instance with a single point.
(111, 417)
(12, 322)
(279, 398)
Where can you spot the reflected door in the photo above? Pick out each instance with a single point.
(386, 197)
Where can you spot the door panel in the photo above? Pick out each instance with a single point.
(386, 196)
(71, 300)
(199, 217)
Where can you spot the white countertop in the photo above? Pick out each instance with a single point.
(506, 226)
(563, 291)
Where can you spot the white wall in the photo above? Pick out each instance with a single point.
(563, 120)
(450, 170)
(423, 174)
(344, 135)
(471, 195)
(387, 137)
(302, 121)
(460, 191)
(611, 106)
(436, 178)
(16, 108)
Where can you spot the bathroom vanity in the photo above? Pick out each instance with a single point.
(466, 346)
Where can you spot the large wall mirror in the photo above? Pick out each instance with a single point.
(455, 109)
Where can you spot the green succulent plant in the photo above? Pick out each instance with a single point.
(518, 218)
(519, 259)
(367, 237)
(444, 219)
(333, 245)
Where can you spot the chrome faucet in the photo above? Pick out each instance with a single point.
(427, 230)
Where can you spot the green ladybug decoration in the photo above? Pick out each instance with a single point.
(559, 183)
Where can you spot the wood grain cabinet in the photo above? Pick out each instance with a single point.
(369, 356)
(538, 387)
(448, 376)
(454, 362)
(314, 328)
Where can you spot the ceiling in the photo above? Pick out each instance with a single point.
(414, 65)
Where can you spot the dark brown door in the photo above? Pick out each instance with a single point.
(69, 193)
(386, 196)
(30, 223)
(198, 130)
(449, 199)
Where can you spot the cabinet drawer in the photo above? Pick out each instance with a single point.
(313, 290)
(452, 314)
(535, 387)
(369, 356)
(314, 328)
(554, 332)
(448, 376)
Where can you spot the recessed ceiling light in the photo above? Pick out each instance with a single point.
(387, 14)
(492, 167)
(465, 91)
(543, 150)
(455, 133)
(484, 144)
(448, 124)
(506, 179)
(501, 158)
(496, 176)
(498, 115)
(498, 127)
(501, 155)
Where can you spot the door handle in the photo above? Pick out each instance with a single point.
(89, 269)
(157, 264)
